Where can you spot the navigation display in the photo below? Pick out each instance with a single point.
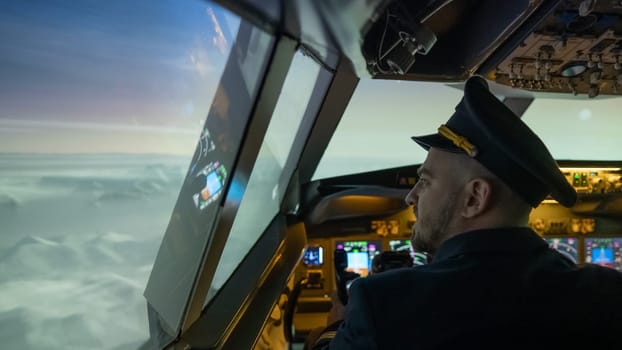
(604, 251)
(567, 246)
(360, 254)
(313, 256)
(208, 183)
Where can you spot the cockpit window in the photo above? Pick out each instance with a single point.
(101, 107)
(374, 132)
(578, 129)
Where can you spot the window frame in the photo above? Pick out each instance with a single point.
(270, 87)
(262, 274)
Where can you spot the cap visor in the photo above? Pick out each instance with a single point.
(564, 193)
(436, 141)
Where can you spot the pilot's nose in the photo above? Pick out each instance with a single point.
(411, 197)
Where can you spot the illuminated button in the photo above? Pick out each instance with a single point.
(576, 179)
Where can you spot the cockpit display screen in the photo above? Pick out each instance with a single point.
(207, 184)
(604, 251)
(313, 256)
(399, 245)
(404, 245)
(360, 255)
(567, 246)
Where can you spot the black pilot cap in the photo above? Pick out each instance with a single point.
(485, 129)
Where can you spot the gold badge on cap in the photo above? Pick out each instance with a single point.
(458, 140)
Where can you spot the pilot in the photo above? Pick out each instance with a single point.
(493, 283)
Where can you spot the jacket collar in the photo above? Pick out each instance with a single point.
(509, 240)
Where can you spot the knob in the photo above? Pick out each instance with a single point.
(593, 91)
(595, 77)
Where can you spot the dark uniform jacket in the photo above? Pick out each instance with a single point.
(487, 289)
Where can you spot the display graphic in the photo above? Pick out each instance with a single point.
(208, 184)
(404, 245)
(384, 227)
(205, 146)
(567, 246)
(360, 255)
(313, 256)
(604, 251)
(205, 143)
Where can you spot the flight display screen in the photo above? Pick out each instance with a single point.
(604, 251)
(208, 183)
(313, 256)
(399, 245)
(567, 246)
(360, 255)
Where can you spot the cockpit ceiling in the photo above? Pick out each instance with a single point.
(572, 46)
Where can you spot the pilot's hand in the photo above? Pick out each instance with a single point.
(337, 311)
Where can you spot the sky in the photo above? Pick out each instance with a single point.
(108, 76)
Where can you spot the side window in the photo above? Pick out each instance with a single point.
(278, 155)
(169, 291)
(101, 107)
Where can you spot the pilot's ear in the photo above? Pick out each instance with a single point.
(477, 199)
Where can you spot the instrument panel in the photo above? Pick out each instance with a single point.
(588, 233)
(315, 299)
(577, 50)
(594, 180)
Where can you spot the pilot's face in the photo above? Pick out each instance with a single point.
(435, 199)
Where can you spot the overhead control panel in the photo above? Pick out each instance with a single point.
(594, 180)
(577, 50)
